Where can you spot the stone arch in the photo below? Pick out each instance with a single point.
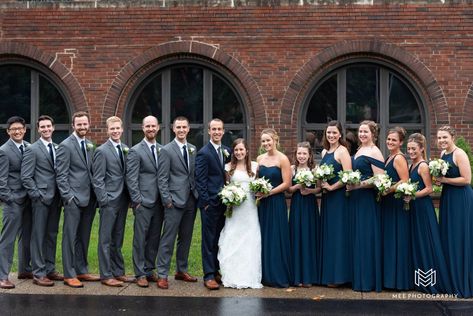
(468, 107)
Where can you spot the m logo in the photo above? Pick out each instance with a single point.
(425, 279)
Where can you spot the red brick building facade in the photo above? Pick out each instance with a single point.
(274, 58)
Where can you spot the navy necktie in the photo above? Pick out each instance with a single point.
(51, 153)
(120, 154)
(84, 152)
(21, 149)
(184, 149)
(154, 155)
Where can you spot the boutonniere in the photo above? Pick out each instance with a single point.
(226, 153)
(191, 150)
(90, 146)
(125, 149)
(158, 150)
(56, 147)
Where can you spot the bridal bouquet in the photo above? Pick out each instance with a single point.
(382, 182)
(232, 195)
(438, 167)
(349, 177)
(324, 172)
(406, 189)
(305, 177)
(260, 185)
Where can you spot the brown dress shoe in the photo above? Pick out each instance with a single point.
(55, 276)
(218, 278)
(42, 281)
(163, 284)
(25, 275)
(142, 282)
(125, 279)
(6, 284)
(152, 278)
(88, 277)
(184, 276)
(211, 284)
(112, 282)
(73, 282)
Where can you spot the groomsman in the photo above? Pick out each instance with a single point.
(178, 193)
(210, 178)
(39, 178)
(74, 180)
(16, 207)
(109, 168)
(141, 179)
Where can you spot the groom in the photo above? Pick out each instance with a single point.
(210, 178)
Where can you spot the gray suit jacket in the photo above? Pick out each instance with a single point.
(175, 181)
(38, 173)
(142, 175)
(108, 174)
(74, 174)
(11, 188)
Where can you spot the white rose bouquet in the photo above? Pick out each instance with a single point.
(349, 177)
(324, 172)
(260, 185)
(232, 195)
(382, 182)
(305, 177)
(438, 167)
(408, 188)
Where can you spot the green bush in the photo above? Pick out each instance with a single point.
(462, 143)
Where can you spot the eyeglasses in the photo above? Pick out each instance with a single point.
(16, 129)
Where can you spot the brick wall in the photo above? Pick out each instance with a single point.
(272, 52)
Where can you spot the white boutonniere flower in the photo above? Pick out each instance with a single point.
(226, 153)
(158, 150)
(125, 149)
(56, 147)
(90, 146)
(191, 150)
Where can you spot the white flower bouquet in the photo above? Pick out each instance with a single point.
(408, 188)
(324, 172)
(232, 195)
(349, 177)
(305, 178)
(438, 167)
(382, 182)
(260, 185)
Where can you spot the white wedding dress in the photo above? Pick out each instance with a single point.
(239, 245)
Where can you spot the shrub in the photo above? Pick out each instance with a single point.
(462, 143)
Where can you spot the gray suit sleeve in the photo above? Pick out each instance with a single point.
(63, 160)
(132, 174)
(4, 166)
(164, 168)
(28, 166)
(99, 167)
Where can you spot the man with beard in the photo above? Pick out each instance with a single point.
(74, 180)
(142, 181)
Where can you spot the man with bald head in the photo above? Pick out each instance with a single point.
(142, 181)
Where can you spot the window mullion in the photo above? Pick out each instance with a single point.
(166, 106)
(34, 104)
(207, 95)
(342, 98)
(383, 107)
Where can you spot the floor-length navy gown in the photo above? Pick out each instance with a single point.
(304, 226)
(335, 249)
(427, 253)
(366, 230)
(456, 231)
(396, 230)
(276, 247)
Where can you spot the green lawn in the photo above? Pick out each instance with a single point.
(195, 262)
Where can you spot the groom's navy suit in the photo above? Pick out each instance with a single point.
(210, 178)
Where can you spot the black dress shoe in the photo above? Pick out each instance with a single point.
(25, 275)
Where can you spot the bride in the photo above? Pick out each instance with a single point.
(239, 252)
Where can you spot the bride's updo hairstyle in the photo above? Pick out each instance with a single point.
(233, 161)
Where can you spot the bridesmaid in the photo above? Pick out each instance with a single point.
(427, 254)
(304, 222)
(456, 213)
(365, 213)
(397, 259)
(335, 253)
(272, 213)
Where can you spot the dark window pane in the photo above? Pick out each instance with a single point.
(323, 104)
(351, 137)
(315, 138)
(362, 93)
(195, 137)
(51, 102)
(187, 93)
(148, 102)
(403, 107)
(225, 103)
(59, 136)
(230, 136)
(15, 92)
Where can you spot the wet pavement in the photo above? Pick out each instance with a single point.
(194, 299)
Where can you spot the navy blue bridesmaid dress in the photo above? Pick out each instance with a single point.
(366, 230)
(276, 247)
(427, 253)
(335, 245)
(304, 224)
(456, 231)
(396, 230)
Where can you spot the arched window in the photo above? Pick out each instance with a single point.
(191, 90)
(362, 91)
(29, 93)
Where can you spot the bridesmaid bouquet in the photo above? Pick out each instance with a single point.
(438, 167)
(406, 189)
(232, 195)
(324, 172)
(382, 182)
(305, 177)
(260, 185)
(349, 177)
